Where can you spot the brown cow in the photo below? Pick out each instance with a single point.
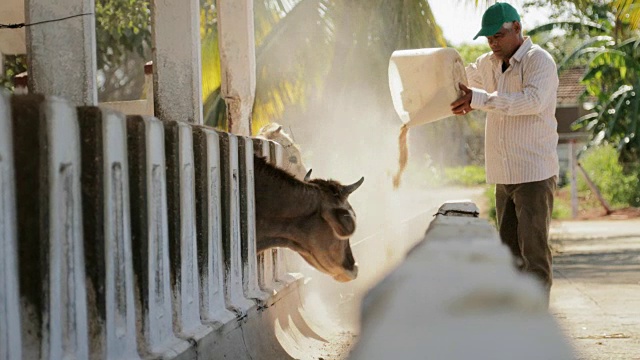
(311, 217)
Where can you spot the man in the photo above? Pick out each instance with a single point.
(516, 85)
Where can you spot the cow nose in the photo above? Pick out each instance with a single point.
(349, 262)
(348, 275)
(354, 271)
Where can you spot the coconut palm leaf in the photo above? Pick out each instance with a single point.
(572, 26)
(311, 49)
(627, 10)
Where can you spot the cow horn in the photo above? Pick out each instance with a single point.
(308, 176)
(346, 190)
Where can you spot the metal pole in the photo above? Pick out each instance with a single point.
(574, 185)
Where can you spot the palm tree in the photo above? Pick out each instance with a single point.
(310, 53)
(609, 49)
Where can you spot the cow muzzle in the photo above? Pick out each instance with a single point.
(347, 275)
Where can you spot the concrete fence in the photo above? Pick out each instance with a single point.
(119, 241)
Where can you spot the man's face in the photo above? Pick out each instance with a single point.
(505, 42)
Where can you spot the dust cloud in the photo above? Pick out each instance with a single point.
(360, 138)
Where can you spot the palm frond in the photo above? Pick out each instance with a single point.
(573, 26)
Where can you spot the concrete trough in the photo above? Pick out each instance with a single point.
(456, 296)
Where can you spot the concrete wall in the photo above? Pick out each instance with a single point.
(116, 255)
(457, 296)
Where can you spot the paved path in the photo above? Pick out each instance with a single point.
(596, 291)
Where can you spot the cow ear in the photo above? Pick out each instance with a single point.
(341, 221)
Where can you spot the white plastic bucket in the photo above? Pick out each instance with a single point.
(424, 82)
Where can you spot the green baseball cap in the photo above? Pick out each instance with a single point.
(496, 15)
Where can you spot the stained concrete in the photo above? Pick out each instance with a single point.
(209, 227)
(10, 327)
(181, 218)
(107, 239)
(231, 237)
(150, 239)
(49, 222)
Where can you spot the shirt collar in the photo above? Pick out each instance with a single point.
(519, 54)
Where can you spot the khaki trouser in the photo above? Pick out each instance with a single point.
(524, 213)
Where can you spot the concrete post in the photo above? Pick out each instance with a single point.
(176, 60)
(280, 263)
(10, 328)
(183, 250)
(231, 238)
(150, 235)
(248, 222)
(51, 264)
(574, 183)
(62, 54)
(265, 259)
(107, 234)
(237, 61)
(209, 227)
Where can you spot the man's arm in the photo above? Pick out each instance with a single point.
(540, 80)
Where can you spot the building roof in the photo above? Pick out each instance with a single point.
(570, 88)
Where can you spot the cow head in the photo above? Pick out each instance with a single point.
(327, 247)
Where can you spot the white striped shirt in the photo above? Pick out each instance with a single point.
(521, 131)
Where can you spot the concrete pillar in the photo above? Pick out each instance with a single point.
(10, 329)
(265, 259)
(209, 227)
(51, 261)
(176, 60)
(62, 54)
(248, 222)
(183, 249)
(237, 61)
(107, 234)
(150, 235)
(231, 238)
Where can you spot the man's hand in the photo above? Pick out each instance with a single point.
(463, 104)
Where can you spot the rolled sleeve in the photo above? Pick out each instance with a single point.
(478, 98)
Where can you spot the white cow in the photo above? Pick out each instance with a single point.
(293, 159)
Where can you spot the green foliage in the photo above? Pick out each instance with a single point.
(561, 210)
(618, 187)
(465, 175)
(490, 195)
(471, 52)
(610, 50)
(14, 65)
(122, 26)
(311, 53)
